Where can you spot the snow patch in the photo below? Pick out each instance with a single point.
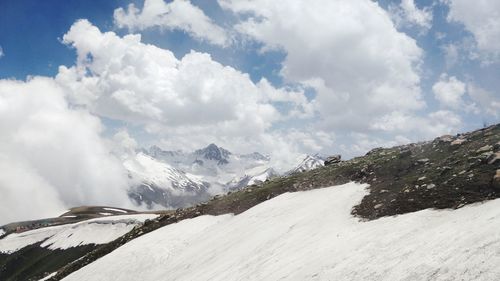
(312, 236)
(115, 210)
(94, 231)
(48, 276)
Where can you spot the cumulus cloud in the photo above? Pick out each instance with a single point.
(1, 52)
(419, 127)
(482, 19)
(348, 51)
(176, 15)
(407, 14)
(449, 91)
(487, 101)
(52, 155)
(189, 101)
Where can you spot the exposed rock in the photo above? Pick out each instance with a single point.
(445, 138)
(458, 141)
(497, 146)
(485, 148)
(494, 158)
(431, 186)
(423, 161)
(375, 151)
(332, 159)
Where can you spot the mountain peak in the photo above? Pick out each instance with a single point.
(214, 152)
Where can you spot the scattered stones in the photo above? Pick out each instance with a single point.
(496, 146)
(405, 152)
(333, 159)
(422, 178)
(374, 151)
(431, 186)
(378, 206)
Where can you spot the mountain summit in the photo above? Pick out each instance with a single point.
(214, 152)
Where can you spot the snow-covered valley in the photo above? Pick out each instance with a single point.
(312, 235)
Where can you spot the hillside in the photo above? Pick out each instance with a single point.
(449, 172)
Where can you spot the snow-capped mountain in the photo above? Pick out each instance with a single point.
(254, 176)
(160, 183)
(173, 179)
(309, 162)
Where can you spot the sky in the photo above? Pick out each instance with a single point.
(83, 81)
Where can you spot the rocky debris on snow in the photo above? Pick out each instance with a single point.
(333, 159)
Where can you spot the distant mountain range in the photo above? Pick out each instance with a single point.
(175, 179)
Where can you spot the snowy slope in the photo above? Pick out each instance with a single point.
(312, 236)
(94, 231)
(151, 171)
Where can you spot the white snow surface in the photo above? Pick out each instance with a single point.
(312, 236)
(115, 210)
(147, 169)
(48, 276)
(94, 231)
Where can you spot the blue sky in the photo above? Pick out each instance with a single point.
(31, 35)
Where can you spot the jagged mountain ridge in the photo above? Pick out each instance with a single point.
(175, 179)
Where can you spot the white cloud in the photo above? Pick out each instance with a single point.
(487, 101)
(187, 102)
(178, 14)
(408, 14)
(52, 156)
(419, 127)
(349, 51)
(1, 52)
(482, 19)
(449, 91)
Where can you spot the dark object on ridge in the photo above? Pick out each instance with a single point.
(332, 159)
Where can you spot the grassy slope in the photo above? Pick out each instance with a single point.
(455, 175)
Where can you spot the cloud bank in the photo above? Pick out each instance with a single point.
(52, 156)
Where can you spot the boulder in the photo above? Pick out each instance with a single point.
(485, 148)
(494, 158)
(332, 159)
